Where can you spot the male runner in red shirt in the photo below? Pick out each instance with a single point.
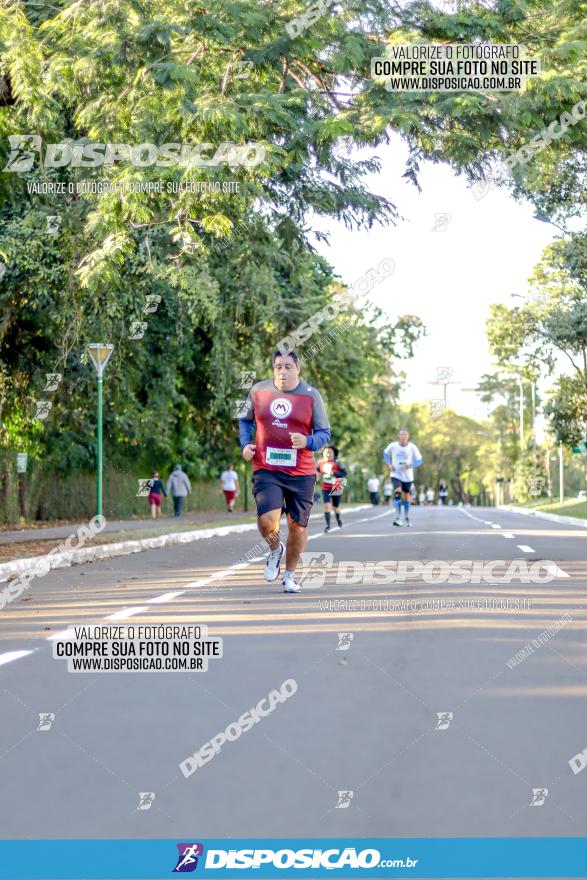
(291, 423)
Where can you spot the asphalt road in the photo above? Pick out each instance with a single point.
(364, 719)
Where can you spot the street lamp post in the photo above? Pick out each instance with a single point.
(99, 353)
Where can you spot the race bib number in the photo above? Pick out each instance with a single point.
(281, 457)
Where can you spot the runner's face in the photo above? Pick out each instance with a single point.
(286, 374)
(403, 438)
(328, 454)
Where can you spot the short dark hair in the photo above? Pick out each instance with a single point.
(334, 449)
(277, 353)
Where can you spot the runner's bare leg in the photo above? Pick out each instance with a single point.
(268, 524)
(296, 541)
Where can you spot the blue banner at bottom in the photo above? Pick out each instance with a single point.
(304, 858)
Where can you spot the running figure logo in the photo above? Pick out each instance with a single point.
(344, 641)
(53, 380)
(146, 799)
(314, 568)
(188, 857)
(537, 485)
(344, 799)
(144, 487)
(539, 795)
(53, 222)
(43, 409)
(46, 719)
(444, 719)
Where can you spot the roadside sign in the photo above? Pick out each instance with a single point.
(21, 462)
(580, 449)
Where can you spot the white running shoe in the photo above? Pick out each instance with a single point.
(273, 563)
(289, 585)
(397, 521)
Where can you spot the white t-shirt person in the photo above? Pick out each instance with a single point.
(229, 481)
(403, 459)
(373, 484)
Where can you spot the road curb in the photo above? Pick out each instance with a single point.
(119, 548)
(123, 548)
(553, 517)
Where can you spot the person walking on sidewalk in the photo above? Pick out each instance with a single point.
(178, 486)
(373, 489)
(157, 488)
(229, 480)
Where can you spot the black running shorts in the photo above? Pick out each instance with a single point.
(273, 490)
(333, 499)
(399, 484)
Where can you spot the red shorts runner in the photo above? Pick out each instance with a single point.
(155, 498)
(230, 495)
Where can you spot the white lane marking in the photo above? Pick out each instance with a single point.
(354, 523)
(488, 522)
(370, 535)
(495, 526)
(525, 549)
(64, 634)
(166, 597)
(556, 571)
(14, 655)
(507, 535)
(130, 612)
(470, 515)
(126, 612)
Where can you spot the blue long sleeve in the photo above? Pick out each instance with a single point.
(417, 463)
(318, 439)
(246, 429)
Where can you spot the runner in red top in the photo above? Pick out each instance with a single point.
(333, 483)
(290, 422)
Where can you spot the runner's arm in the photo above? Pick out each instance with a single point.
(418, 457)
(320, 428)
(342, 471)
(386, 454)
(246, 425)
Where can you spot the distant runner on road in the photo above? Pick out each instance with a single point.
(403, 456)
(333, 473)
(291, 424)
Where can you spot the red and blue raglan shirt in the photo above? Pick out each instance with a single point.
(277, 414)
